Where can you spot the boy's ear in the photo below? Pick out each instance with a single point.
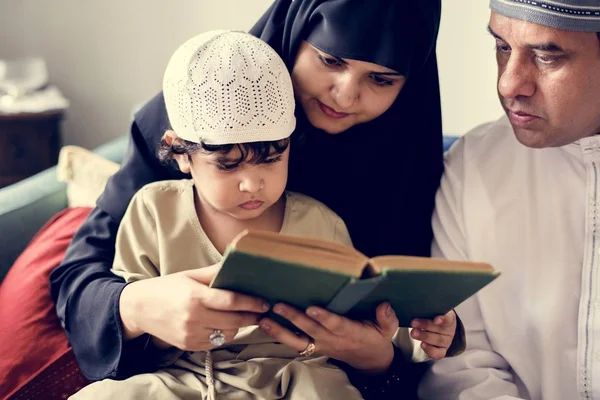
(170, 137)
(182, 160)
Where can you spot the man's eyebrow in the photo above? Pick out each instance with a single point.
(548, 46)
(494, 34)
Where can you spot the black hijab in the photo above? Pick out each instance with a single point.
(381, 176)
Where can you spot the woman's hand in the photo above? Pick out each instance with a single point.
(437, 335)
(181, 310)
(363, 345)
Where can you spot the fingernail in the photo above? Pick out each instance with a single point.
(266, 306)
(423, 346)
(279, 310)
(438, 321)
(416, 334)
(388, 311)
(264, 326)
(414, 324)
(313, 312)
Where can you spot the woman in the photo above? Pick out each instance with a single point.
(371, 150)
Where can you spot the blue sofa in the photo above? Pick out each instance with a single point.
(27, 205)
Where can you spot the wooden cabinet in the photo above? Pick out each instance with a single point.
(29, 143)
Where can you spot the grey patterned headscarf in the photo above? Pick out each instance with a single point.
(569, 15)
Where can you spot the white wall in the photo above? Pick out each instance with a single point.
(467, 66)
(12, 16)
(107, 56)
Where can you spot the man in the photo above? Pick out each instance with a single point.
(523, 193)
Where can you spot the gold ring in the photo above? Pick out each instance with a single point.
(309, 349)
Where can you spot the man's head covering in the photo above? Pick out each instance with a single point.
(380, 176)
(568, 15)
(225, 87)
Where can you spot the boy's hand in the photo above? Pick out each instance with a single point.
(436, 336)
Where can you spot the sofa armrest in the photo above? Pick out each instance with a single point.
(24, 208)
(27, 205)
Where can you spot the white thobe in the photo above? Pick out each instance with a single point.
(533, 214)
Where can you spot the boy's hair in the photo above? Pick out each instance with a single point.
(254, 153)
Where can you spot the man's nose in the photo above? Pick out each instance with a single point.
(516, 79)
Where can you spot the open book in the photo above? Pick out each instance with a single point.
(304, 272)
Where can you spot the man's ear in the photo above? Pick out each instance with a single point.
(182, 160)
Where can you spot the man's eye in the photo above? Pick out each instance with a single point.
(503, 48)
(328, 61)
(546, 59)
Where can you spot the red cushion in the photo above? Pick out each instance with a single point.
(34, 350)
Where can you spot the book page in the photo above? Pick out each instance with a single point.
(424, 263)
(303, 250)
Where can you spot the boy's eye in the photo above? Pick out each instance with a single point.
(226, 167)
(329, 61)
(272, 160)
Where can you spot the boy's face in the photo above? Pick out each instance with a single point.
(243, 192)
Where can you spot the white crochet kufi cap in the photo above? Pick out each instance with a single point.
(227, 87)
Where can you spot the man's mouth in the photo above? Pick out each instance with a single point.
(521, 118)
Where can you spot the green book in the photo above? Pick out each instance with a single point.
(303, 272)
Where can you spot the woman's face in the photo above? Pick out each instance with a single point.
(337, 93)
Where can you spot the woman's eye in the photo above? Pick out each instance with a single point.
(379, 81)
(330, 62)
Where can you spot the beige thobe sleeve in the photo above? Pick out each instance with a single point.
(136, 247)
(136, 258)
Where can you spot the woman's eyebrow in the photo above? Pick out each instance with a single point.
(338, 59)
(342, 61)
(390, 73)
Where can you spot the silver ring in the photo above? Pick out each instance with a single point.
(217, 338)
(309, 349)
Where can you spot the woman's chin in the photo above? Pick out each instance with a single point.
(329, 126)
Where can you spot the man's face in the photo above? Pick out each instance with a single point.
(548, 81)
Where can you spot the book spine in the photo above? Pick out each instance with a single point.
(353, 293)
